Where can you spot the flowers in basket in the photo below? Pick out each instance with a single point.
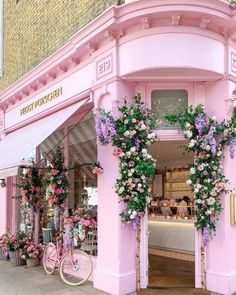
(31, 251)
(79, 224)
(14, 242)
(3, 250)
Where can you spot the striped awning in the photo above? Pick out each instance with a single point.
(18, 144)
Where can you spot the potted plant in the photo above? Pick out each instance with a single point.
(4, 254)
(31, 253)
(14, 243)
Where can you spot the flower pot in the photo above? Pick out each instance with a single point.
(32, 262)
(15, 258)
(1, 254)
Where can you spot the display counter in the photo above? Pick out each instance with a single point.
(172, 234)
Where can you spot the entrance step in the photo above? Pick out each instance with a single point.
(174, 291)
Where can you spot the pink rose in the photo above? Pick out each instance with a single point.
(53, 185)
(201, 155)
(86, 223)
(55, 172)
(57, 191)
(25, 199)
(117, 152)
(23, 193)
(131, 163)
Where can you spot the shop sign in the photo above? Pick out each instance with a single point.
(104, 66)
(41, 101)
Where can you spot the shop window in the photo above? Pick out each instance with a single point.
(83, 152)
(168, 102)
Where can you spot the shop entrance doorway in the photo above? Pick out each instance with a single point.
(171, 242)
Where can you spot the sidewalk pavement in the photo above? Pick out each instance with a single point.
(19, 280)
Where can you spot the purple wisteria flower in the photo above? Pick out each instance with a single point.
(105, 129)
(232, 148)
(137, 142)
(136, 222)
(211, 140)
(206, 235)
(200, 122)
(68, 240)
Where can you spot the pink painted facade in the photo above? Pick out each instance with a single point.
(135, 48)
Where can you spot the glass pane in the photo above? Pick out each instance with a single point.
(166, 102)
(83, 150)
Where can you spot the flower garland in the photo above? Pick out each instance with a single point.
(30, 188)
(207, 141)
(57, 181)
(131, 135)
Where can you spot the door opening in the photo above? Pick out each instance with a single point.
(170, 219)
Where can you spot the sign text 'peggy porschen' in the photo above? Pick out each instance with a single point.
(41, 101)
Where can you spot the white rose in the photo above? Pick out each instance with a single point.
(199, 186)
(189, 182)
(198, 201)
(128, 154)
(187, 124)
(143, 177)
(149, 136)
(189, 134)
(191, 144)
(132, 170)
(208, 147)
(133, 149)
(219, 153)
(192, 170)
(132, 216)
(211, 201)
(196, 190)
(133, 132)
(144, 151)
(149, 189)
(126, 121)
(139, 185)
(130, 174)
(127, 133)
(149, 156)
(134, 213)
(143, 127)
(208, 212)
(134, 120)
(121, 190)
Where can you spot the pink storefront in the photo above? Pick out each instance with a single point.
(174, 53)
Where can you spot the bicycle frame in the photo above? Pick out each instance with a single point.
(59, 257)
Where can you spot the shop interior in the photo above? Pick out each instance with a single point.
(170, 219)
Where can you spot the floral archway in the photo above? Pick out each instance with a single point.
(131, 134)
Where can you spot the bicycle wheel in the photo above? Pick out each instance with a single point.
(75, 267)
(49, 258)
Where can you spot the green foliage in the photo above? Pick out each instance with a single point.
(208, 139)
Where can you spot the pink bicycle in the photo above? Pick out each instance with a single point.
(75, 266)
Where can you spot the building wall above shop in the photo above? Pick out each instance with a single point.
(33, 30)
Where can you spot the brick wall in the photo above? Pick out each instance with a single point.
(34, 29)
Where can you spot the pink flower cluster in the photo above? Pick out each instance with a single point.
(97, 170)
(31, 250)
